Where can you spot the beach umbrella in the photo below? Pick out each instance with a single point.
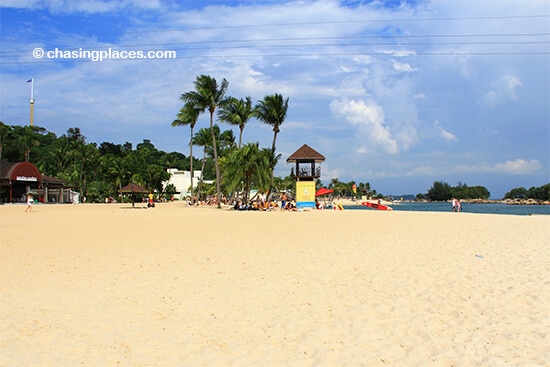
(133, 189)
(323, 191)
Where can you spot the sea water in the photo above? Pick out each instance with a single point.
(490, 208)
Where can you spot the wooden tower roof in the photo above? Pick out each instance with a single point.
(306, 153)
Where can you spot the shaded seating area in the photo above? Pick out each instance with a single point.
(18, 179)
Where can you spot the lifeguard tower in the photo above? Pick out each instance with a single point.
(305, 172)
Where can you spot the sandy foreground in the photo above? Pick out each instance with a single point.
(107, 285)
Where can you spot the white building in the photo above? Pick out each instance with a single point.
(182, 181)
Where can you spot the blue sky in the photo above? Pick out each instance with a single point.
(396, 93)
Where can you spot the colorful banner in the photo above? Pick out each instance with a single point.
(305, 194)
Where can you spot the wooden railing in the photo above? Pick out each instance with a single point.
(306, 173)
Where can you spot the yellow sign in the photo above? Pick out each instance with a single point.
(305, 194)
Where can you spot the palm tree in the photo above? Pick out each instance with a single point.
(29, 140)
(247, 165)
(226, 140)
(208, 96)
(272, 111)
(116, 170)
(237, 112)
(87, 156)
(188, 115)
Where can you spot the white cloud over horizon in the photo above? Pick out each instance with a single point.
(369, 117)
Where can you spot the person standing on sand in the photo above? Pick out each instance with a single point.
(29, 203)
(453, 204)
(283, 201)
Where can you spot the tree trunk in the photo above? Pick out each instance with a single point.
(202, 174)
(240, 137)
(191, 163)
(268, 196)
(215, 159)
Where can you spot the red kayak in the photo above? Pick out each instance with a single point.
(376, 206)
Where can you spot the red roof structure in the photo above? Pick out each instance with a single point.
(21, 171)
(20, 177)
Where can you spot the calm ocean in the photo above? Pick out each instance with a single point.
(468, 208)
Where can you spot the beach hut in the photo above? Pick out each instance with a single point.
(17, 179)
(305, 171)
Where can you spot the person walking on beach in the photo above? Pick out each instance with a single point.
(29, 203)
(453, 204)
(457, 206)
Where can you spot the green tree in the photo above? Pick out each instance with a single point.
(110, 148)
(478, 192)
(440, 191)
(4, 129)
(237, 112)
(188, 115)
(169, 191)
(226, 140)
(540, 193)
(286, 184)
(366, 189)
(86, 156)
(517, 193)
(207, 96)
(272, 111)
(115, 171)
(248, 165)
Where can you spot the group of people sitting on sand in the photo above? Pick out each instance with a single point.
(256, 205)
(259, 202)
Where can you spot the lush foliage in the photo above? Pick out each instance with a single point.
(209, 96)
(246, 166)
(442, 191)
(345, 189)
(538, 193)
(97, 172)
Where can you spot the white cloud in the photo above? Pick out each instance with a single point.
(514, 167)
(368, 116)
(419, 96)
(422, 171)
(518, 167)
(401, 66)
(444, 134)
(396, 53)
(502, 91)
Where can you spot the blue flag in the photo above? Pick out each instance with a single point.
(30, 80)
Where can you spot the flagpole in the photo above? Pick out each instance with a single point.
(32, 101)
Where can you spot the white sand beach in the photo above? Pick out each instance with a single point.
(107, 285)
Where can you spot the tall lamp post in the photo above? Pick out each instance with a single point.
(31, 80)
